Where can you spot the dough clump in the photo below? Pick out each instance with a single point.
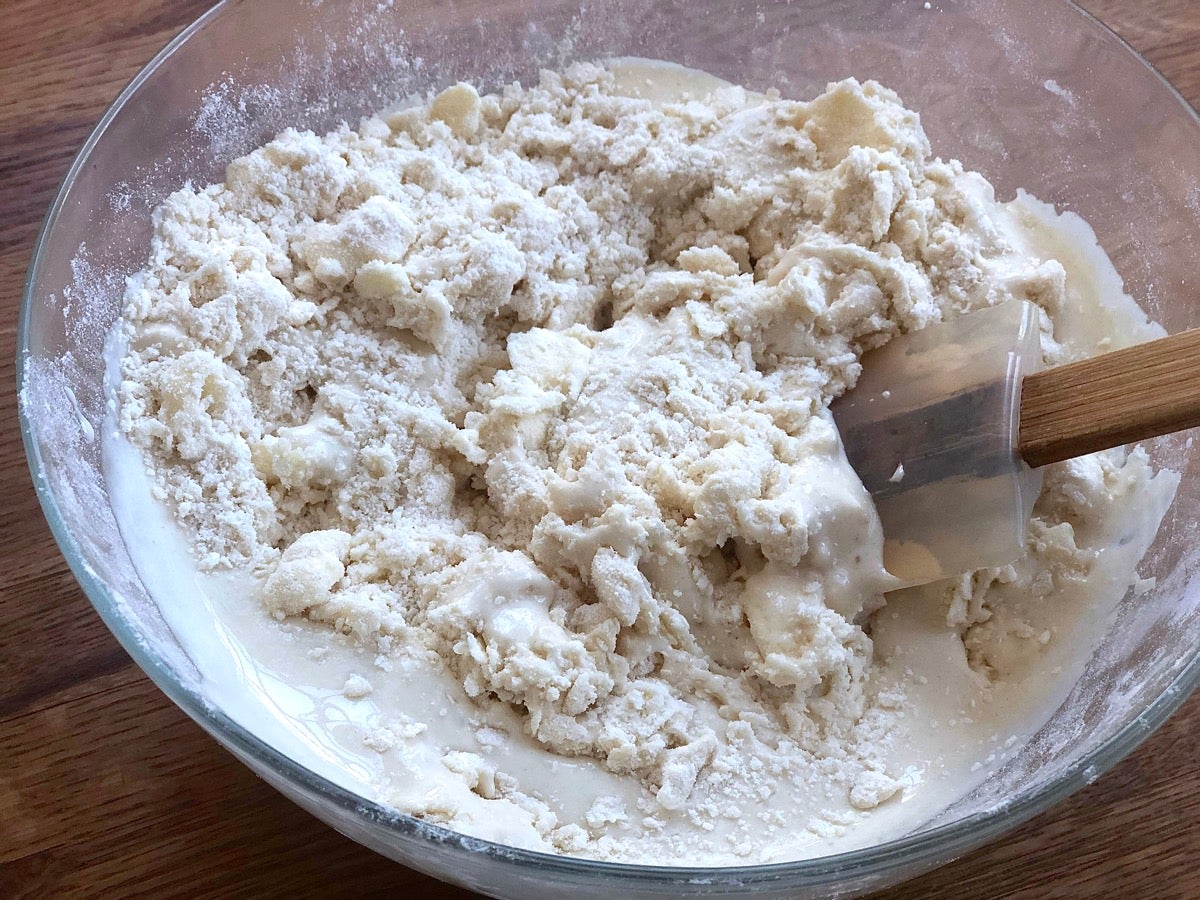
(535, 385)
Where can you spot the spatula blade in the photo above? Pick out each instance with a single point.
(931, 429)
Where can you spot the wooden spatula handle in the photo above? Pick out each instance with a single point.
(1109, 400)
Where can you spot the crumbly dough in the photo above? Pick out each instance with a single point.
(534, 388)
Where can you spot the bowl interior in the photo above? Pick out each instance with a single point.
(1035, 95)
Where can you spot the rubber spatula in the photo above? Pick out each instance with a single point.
(948, 428)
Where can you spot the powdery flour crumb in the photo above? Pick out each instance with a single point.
(356, 687)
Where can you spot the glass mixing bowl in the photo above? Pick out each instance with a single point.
(1034, 94)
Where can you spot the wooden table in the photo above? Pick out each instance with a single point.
(107, 789)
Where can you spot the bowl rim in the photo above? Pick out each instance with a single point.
(918, 851)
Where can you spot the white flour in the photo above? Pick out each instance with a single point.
(527, 395)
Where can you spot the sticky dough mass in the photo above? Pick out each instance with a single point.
(532, 388)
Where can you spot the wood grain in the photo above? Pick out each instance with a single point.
(1117, 398)
(106, 789)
